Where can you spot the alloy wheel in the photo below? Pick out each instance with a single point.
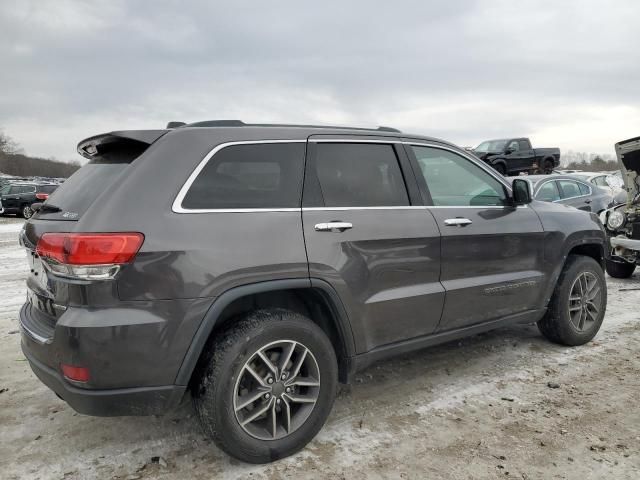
(276, 390)
(585, 301)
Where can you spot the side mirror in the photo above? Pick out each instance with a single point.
(521, 192)
(509, 150)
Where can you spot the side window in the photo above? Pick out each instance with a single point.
(261, 175)
(453, 180)
(360, 175)
(4, 190)
(584, 188)
(523, 145)
(600, 181)
(514, 146)
(548, 192)
(569, 188)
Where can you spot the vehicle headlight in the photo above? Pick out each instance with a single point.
(616, 220)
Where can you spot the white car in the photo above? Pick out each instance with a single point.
(611, 182)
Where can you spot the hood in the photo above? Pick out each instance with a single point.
(628, 153)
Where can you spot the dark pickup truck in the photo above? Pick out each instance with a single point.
(510, 156)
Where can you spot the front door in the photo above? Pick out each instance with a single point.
(492, 253)
(368, 235)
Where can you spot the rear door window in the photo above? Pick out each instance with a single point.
(261, 175)
(360, 175)
(569, 189)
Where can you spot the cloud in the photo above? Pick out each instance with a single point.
(565, 73)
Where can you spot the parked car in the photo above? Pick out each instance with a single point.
(609, 182)
(271, 262)
(568, 190)
(17, 198)
(623, 219)
(510, 156)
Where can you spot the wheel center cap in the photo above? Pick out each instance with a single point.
(277, 389)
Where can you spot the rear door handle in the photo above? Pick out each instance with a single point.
(457, 222)
(333, 226)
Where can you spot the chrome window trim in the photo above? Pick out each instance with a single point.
(177, 207)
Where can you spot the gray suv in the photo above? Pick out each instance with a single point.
(253, 267)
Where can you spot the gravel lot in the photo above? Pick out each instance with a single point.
(502, 405)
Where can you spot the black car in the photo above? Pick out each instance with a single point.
(17, 198)
(568, 190)
(510, 156)
(271, 262)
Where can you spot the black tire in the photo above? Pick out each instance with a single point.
(557, 324)
(548, 167)
(220, 374)
(500, 168)
(26, 212)
(619, 269)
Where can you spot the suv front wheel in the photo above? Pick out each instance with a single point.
(267, 385)
(576, 310)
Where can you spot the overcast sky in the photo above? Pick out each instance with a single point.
(565, 73)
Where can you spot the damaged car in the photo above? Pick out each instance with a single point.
(622, 221)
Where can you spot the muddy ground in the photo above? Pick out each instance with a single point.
(502, 405)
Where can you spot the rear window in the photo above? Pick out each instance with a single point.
(81, 189)
(47, 188)
(262, 175)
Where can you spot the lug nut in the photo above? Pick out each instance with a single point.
(288, 389)
(269, 380)
(267, 396)
(278, 401)
(284, 375)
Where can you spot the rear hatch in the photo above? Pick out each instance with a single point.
(110, 157)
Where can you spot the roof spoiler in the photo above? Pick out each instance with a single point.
(106, 143)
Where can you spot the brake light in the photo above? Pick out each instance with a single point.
(42, 196)
(88, 255)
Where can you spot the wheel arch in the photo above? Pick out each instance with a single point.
(313, 298)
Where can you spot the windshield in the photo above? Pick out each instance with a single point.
(491, 146)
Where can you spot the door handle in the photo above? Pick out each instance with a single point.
(457, 222)
(333, 226)
(587, 201)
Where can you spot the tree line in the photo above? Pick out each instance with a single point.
(590, 162)
(13, 161)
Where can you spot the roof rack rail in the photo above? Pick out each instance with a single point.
(175, 124)
(388, 129)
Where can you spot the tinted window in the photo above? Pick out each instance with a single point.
(600, 181)
(47, 188)
(455, 181)
(524, 145)
(514, 146)
(18, 189)
(360, 175)
(79, 191)
(266, 175)
(548, 192)
(569, 188)
(4, 190)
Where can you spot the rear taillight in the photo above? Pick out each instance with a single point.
(76, 374)
(42, 196)
(93, 256)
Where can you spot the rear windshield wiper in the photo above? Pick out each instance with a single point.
(46, 207)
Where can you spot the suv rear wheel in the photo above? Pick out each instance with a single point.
(267, 385)
(577, 308)
(26, 211)
(619, 269)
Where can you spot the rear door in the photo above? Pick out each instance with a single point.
(369, 236)
(492, 261)
(576, 194)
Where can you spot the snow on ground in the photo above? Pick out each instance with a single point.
(478, 408)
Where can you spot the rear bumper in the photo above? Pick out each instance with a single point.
(108, 403)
